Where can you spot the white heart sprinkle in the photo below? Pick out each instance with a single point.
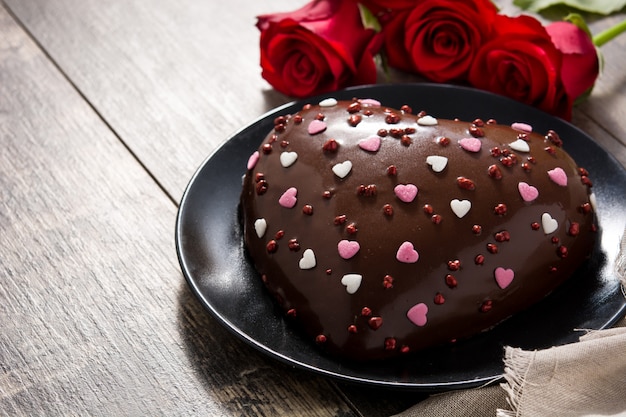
(352, 282)
(328, 102)
(549, 224)
(260, 226)
(460, 207)
(593, 202)
(436, 162)
(427, 121)
(308, 260)
(520, 145)
(342, 169)
(288, 158)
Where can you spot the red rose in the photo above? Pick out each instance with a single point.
(521, 62)
(319, 48)
(439, 38)
(580, 60)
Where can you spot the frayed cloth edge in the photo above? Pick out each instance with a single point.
(516, 365)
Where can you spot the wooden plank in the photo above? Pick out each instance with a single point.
(174, 79)
(96, 318)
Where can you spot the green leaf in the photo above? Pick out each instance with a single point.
(368, 19)
(604, 7)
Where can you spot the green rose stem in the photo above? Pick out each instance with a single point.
(605, 36)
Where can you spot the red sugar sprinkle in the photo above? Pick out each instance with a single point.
(341, 219)
(555, 240)
(585, 208)
(492, 122)
(552, 269)
(465, 183)
(266, 148)
(352, 329)
(259, 176)
(297, 119)
(329, 271)
(279, 235)
(405, 349)
(366, 312)
(476, 131)
(451, 281)
(354, 120)
(535, 226)
(526, 166)
(294, 245)
(388, 282)
(390, 343)
(454, 265)
(486, 306)
(271, 246)
(428, 209)
(443, 141)
(330, 146)
(392, 119)
(477, 229)
(388, 210)
(320, 338)
(436, 218)
(351, 228)
(495, 151)
(494, 172)
(574, 229)
(375, 322)
(405, 140)
(396, 133)
(307, 209)
(583, 172)
(392, 171)
(585, 180)
(354, 107)
(502, 236)
(500, 209)
(284, 143)
(327, 194)
(439, 299)
(479, 259)
(382, 133)
(562, 251)
(478, 122)
(291, 312)
(261, 187)
(320, 116)
(406, 109)
(550, 150)
(492, 248)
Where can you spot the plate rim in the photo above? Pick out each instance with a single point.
(251, 341)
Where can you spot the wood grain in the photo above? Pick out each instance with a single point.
(96, 318)
(106, 110)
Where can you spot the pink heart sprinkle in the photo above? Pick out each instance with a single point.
(504, 277)
(347, 249)
(417, 314)
(528, 192)
(406, 193)
(558, 176)
(470, 144)
(254, 158)
(316, 126)
(371, 144)
(524, 127)
(407, 253)
(370, 102)
(288, 199)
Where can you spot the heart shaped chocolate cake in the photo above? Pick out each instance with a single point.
(382, 232)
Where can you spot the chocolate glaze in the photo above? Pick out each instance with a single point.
(372, 323)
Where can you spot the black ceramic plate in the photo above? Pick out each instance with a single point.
(210, 251)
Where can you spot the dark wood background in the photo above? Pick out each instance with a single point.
(106, 110)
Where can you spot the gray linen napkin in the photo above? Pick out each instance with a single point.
(587, 378)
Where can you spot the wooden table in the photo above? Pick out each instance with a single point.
(106, 110)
